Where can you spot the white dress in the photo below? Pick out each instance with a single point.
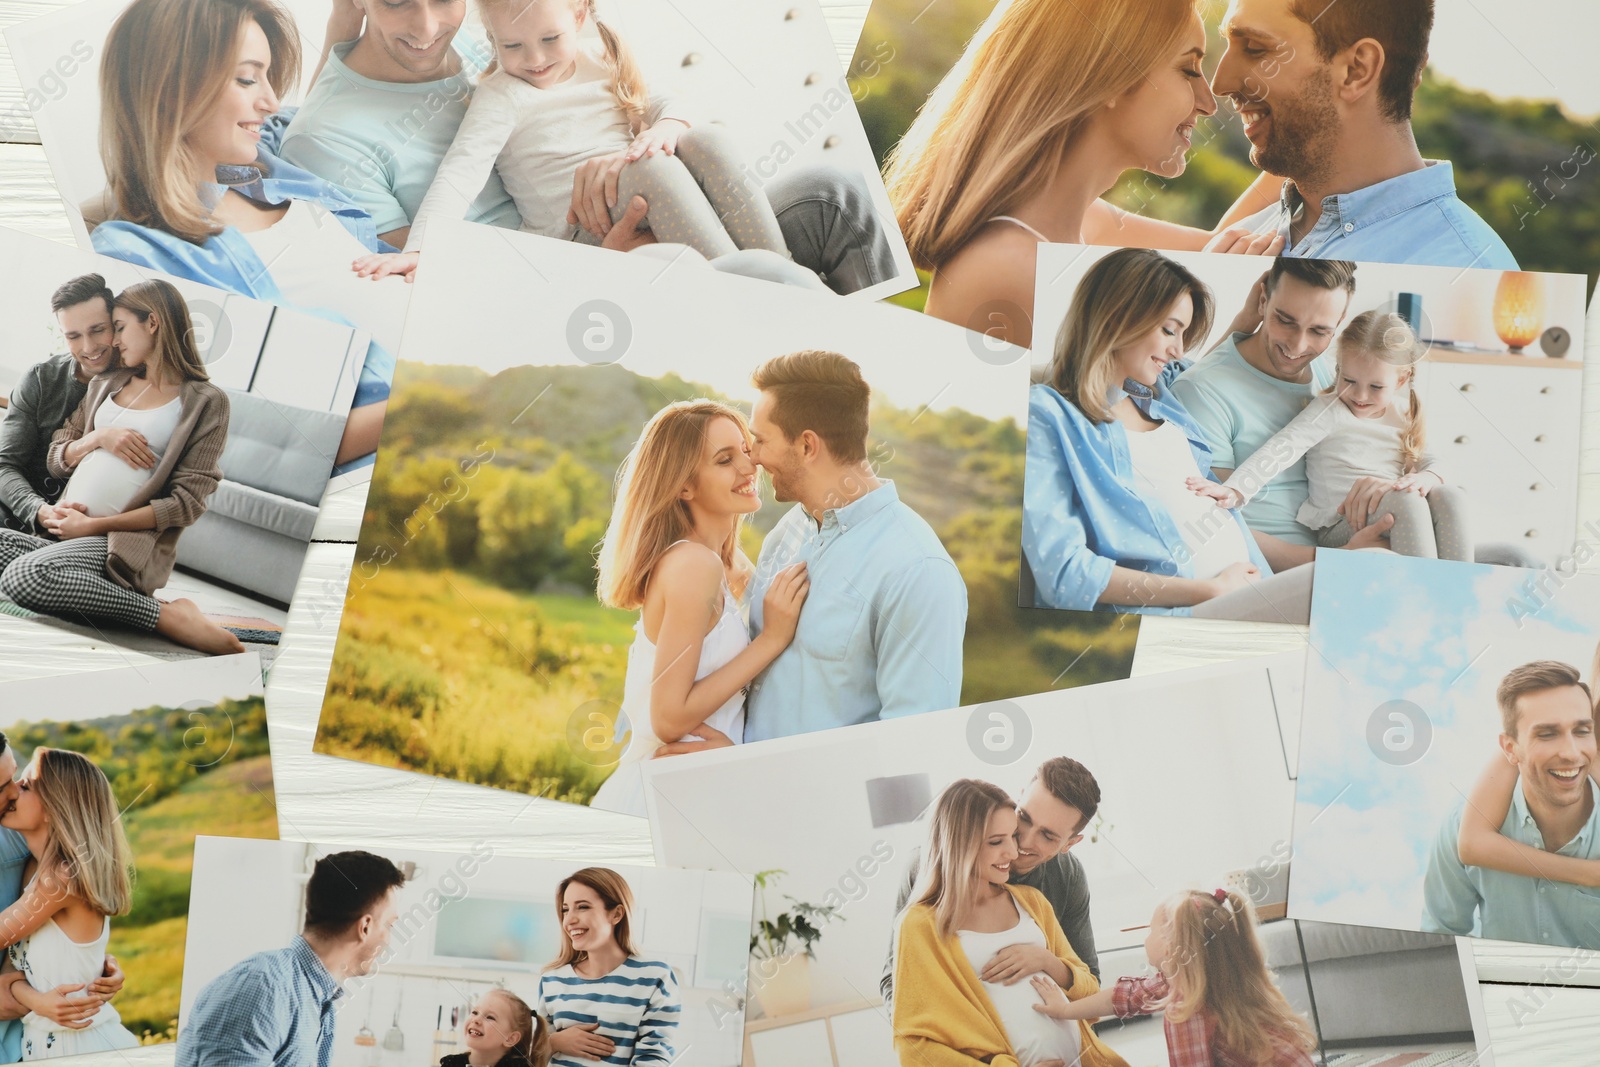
(104, 482)
(48, 958)
(624, 790)
(1034, 1036)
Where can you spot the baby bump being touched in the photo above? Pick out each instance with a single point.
(104, 483)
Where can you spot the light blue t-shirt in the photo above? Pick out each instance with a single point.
(1458, 899)
(1239, 408)
(382, 142)
(13, 858)
(881, 630)
(1414, 217)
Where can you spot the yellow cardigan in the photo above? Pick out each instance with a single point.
(943, 1016)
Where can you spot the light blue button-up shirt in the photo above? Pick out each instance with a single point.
(1081, 516)
(275, 1008)
(881, 631)
(1458, 899)
(1414, 217)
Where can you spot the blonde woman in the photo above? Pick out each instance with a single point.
(965, 912)
(672, 554)
(114, 533)
(79, 876)
(602, 999)
(186, 87)
(1050, 104)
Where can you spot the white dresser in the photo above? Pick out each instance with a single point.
(1505, 429)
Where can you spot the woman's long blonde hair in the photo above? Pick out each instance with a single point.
(166, 62)
(994, 131)
(175, 354)
(649, 516)
(960, 817)
(614, 892)
(1389, 338)
(85, 851)
(627, 80)
(1218, 968)
(1120, 299)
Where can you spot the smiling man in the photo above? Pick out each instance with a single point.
(1057, 803)
(1325, 88)
(1548, 732)
(44, 398)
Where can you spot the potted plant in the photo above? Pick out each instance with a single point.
(782, 948)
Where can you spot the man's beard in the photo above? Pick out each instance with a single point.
(1301, 144)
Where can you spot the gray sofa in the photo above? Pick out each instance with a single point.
(275, 467)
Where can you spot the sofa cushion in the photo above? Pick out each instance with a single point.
(1332, 941)
(253, 507)
(283, 450)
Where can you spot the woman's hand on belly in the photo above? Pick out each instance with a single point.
(1015, 962)
(128, 445)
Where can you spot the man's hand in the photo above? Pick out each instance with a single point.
(109, 984)
(56, 1005)
(712, 738)
(1374, 534)
(1362, 501)
(127, 445)
(69, 521)
(625, 236)
(594, 192)
(1015, 962)
(583, 1042)
(1248, 320)
(345, 21)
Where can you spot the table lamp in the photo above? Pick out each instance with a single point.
(1518, 309)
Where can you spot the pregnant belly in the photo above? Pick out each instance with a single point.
(104, 483)
(1035, 1037)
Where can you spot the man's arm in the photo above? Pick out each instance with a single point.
(919, 625)
(241, 1021)
(358, 171)
(1450, 898)
(907, 885)
(1213, 416)
(19, 439)
(1074, 915)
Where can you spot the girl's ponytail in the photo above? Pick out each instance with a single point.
(627, 80)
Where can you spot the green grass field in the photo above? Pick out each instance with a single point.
(235, 800)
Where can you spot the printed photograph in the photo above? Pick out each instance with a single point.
(359, 958)
(164, 448)
(1200, 425)
(1368, 130)
(1003, 884)
(599, 536)
(108, 776)
(1448, 775)
(298, 151)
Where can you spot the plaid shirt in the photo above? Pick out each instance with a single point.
(1193, 1042)
(273, 1008)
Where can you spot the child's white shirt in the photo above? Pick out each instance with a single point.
(1339, 448)
(536, 139)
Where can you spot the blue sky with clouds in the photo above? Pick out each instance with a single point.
(1439, 635)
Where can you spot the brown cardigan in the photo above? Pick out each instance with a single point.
(177, 488)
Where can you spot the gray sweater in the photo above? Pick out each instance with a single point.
(47, 393)
(1059, 878)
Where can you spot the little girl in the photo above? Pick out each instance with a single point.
(574, 135)
(78, 877)
(1358, 429)
(502, 1031)
(1219, 1003)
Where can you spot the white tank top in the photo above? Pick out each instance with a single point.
(309, 254)
(104, 482)
(1162, 462)
(1034, 1036)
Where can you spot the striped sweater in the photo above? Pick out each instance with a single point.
(636, 1006)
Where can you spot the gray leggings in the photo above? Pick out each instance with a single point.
(699, 198)
(68, 579)
(1434, 526)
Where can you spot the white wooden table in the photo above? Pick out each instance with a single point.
(1532, 1022)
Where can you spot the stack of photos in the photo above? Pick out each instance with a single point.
(799, 442)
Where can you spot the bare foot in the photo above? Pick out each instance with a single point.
(182, 622)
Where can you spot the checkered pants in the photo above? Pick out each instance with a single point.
(68, 579)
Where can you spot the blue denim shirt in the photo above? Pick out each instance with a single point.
(1458, 899)
(13, 858)
(274, 1008)
(1411, 218)
(881, 631)
(227, 260)
(1080, 513)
